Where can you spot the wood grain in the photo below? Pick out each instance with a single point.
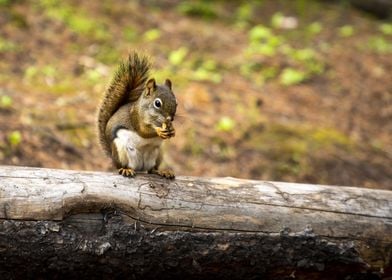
(341, 220)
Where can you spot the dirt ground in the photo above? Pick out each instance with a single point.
(297, 91)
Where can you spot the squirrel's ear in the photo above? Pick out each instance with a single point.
(168, 83)
(150, 85)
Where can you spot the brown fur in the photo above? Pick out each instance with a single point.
(126, 87)
(128, 103)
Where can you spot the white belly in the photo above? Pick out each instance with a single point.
(140, 153)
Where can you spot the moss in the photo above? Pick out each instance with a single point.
(292, 147)
(192, 146)
(76, 20)
(8, 46)
(327, 136)
(202, 9)
(152, 35)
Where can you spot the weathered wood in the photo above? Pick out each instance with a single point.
(94, 224)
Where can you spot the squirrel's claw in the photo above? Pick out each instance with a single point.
(168, 174)
(127, 172)
(165, 132)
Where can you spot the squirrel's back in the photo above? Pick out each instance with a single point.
(126, 87)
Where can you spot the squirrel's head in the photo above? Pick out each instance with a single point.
(158, 104)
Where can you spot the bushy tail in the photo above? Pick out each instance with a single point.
(126, 86)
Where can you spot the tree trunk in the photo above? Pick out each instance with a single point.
(58, 223)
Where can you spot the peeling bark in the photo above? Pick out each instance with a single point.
(58, 223)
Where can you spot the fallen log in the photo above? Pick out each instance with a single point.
(60, 223)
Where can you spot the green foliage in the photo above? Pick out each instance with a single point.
(248, 68)
(108, 54)
(225, 124)
(277, 20)
(243, 14)
(202, 74)
(14, 138)
(152, 35)
(263, 72)
(130, 34)
(301, 54)
(314, 28)
(49, 78)
(177, 57)
(192, 145)
(5, 2)
(94, 75)
(290, 147)
(291, 76)
(5, 102)
(307, 59)
(75, 19)
(380, 45)
(346, 31)
(259, 32)
(263, 41)
(303, 63)
(269, 72)
(206, 71)
(7, 46)
(386, 28)
(327, 136)
(33, 72)
(202, 9)
(49, 71)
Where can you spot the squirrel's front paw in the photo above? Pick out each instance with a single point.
(127, 172)
(166, 131)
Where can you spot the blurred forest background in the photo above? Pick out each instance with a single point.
(295, 90)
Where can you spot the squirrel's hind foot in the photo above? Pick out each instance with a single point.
(168, 174)
(127, 172)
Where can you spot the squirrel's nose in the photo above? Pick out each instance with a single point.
(170, 119)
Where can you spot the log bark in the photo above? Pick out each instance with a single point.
(379, 8)
(59, 223)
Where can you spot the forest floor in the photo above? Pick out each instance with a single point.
(297, 91)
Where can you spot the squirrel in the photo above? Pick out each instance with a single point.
(134, 117)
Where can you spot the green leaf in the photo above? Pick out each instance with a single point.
(14, 138)
(314, 28)
(244, 12)
(49, 71)
(7, 46)
(130, 34)
(31, 72)
(93, 75)
(346, 31)
(277, 20)
(225, 124)
(259, 32)
(177, 57)
(5, 101)
(291, 76)
(203, 9)
(5, 2)
(386, 28)
(152, 34)
(202, 74)
(380, 45)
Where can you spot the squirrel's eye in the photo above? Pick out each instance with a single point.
(157, 103)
